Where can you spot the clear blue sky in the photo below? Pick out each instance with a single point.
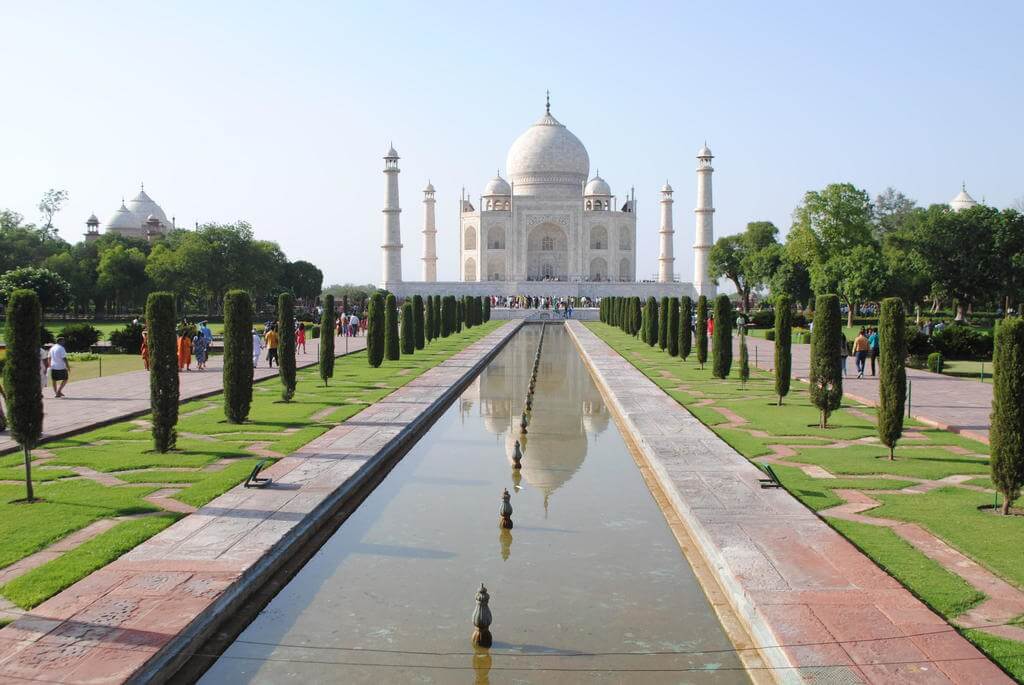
(279, 114)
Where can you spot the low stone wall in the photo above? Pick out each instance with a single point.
(505, 314)
(541, 289)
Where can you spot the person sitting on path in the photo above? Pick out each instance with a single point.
(60, 369)
(300, 338)
(271, 341)
(860, 352)
(184, 351)
(873, 348)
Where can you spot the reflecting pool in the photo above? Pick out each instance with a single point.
(590, 584)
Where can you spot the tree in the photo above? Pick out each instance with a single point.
(1007, 432)
(327, 323)
(744, 359)
(51, 203)
(651, 334)
(304, 280)
(375, 330)
(856, 275)
(783, 345)
(238, 366)
(721, 339)
(122, 275)
(672, 335)
(792, 279)
(25, 244)
(429, 322)
(636, 312)
(748, 259)
(408, 329)
(828, 222)
(391, 342)
(163, 369)
(826, 364)
(487, 309)
(663, 323)
(702, 330)
(418, 322)
(437, 316)
(52, 291)
(685, 332)
(446, 317)
(1009, 247)
(891, 211)
(21, 376)
(286, 344)
(892, 389)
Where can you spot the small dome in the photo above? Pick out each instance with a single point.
(704, 151)
(962, 200)
(151, 219)
(597, 186)
(123, 220)
(92, 221)
(429, 188)
(497, 186)
(666, 188)
(392, 154)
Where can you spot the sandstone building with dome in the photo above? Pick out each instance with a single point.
(549, 227)
(140, 217)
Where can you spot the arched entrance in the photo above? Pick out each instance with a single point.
(547, 253)
(598, 269)
(625, 270)
(469, 273)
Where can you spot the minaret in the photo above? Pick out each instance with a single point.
(666, 259)
(429, 236)
(705, 237)
(391, 249)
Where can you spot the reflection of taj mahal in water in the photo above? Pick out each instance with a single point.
(551, 453)
(550, 229)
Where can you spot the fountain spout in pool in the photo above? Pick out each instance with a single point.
(505, 511)
(482, 619)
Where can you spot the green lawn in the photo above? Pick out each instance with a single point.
(212, 456)
(965, 368)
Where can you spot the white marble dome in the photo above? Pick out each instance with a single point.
(704, 151)
(962, 201)
(547, 157)
(143, 207)
(497, 186)
(124, 220)
(597, 186)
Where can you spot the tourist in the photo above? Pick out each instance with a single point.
(353, 325)
(861, 347)
(271, 343)
(201, 347)
(185, 350)
(844, 351)
(257, 347)
(711, 326)
(60, 369)
(207, 333)
(44, 364)
(144, 350)
(300, 338)
(873, 345)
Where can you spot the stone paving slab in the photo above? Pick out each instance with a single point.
(819, 610)
(134, 617)
(99, 401)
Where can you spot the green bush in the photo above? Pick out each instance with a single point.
(375, 330)
(314, 331)
(918, 344)
(826, 382)
(407, 329)
(769, 335)
(1007, 433)
(328, 323)
(21, 376)
(663, 316)
(935, 362)
(702, 330)
(783, 337)
(238, 315)
(392, 346)
(672, 335)
(960, 341)
(762, 318)
(286, 344)
(805, 337)
(721, 340)
(892, 381)
(163, 369)
(418, 322)
(79, 337)
(685, 332)
(127, 339)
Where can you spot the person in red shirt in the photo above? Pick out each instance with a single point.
(711, 326)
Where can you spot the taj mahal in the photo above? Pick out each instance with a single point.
(549, 228)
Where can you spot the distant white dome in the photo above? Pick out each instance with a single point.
(962, 200)
(666, 188)
(92, 221)
(547, 159)
(597, 186)
(142, 206)
(704, 151)
(497, 186)
(429, 188)
(391, 153)
(123, 220)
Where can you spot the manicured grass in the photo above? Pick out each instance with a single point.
(44, 581)
(945, 592)
(817, 493)
(216, 483)
(920, 462)
(106, 365)
(965, 368)
(1007, 653)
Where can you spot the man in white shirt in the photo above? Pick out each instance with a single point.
(60, 369)
(44, 364)
(353, 323)
(257, 346)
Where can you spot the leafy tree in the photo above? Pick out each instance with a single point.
(891, 210)
(721, 339)
(793, 279)
(21, 376)
(856, 275)
(163, 369)
(702, 330)
(418, 322)
(1009, 248)
(238, 367)
(286, 344)
(391, 343)
(327, 324)
(357, 295)
(25, 244)
(826, 385)
(685, 332)
(652, 322)
(52, 291)
(663, 323)
(429, 322)
(375, 330)
(672, 335)
(51, 203)
(1007, 433)
(408, 332)
(748, 259)
(304, 280)
(892, 389)
(122, 275)
(783, 345)
(829, 222)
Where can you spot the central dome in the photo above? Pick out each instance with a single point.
(548, 159)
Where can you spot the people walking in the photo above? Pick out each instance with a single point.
(257, 347)
(861, 347)
(873, 347)
(184, 351)
(271, 342)
(844, 351)
(60, 368)
(201, 347)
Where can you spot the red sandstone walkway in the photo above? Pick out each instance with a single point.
(947, 402)
(102, 400)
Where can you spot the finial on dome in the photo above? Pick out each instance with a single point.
(547, 102)
(963, 186)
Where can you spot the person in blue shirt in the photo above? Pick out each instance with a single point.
(873, 345)
(206, 332)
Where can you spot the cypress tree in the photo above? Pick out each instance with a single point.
(783, 345)
(487, 309)
(637, 312)
(327, 321)
(437, 317)
(375, 330)
(418, 322)
(467, 311)
(391, 342)
(21, 376)
(445, 317)
(702, 330)
(721, 339)
(286, 346)
(892, 375)
(643, 323)
(408, 328)
(826, 364)
(429, 322)
(672, 336)
(459, 314)
(652, 322)
(663, 323)
(685, 332)
(163, 369)
(1007, 433)
(744, 359)
(238, 354)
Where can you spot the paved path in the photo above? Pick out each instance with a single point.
(819, 609)
(956, 404)
(122, 621)
(101, 400)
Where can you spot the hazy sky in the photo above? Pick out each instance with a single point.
(279, 113)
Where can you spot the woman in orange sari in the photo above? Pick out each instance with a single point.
(184, 351)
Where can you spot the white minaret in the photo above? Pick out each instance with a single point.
(429, 236)
(666, 259)
(391, 249)
(705, 237)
